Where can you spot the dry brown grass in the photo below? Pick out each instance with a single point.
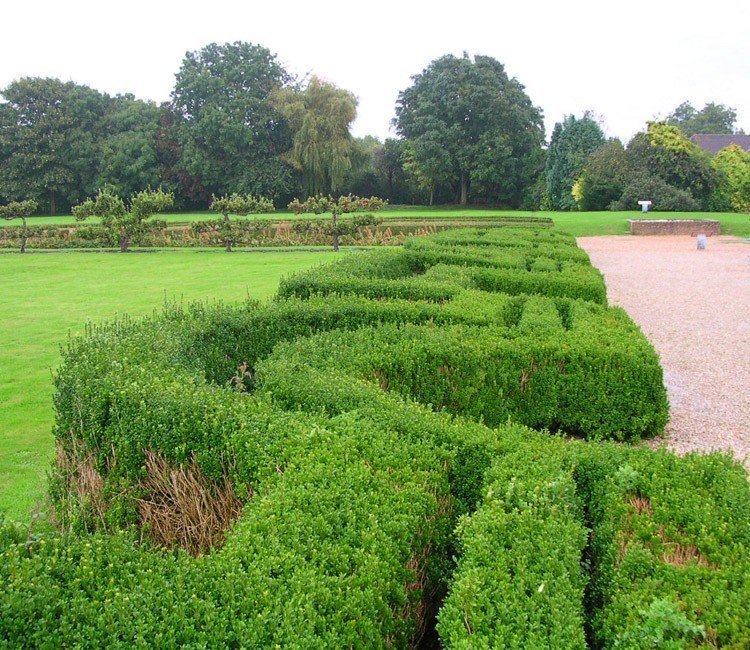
(674, 552)
(182, 507)
(80, 480)
(380, 378)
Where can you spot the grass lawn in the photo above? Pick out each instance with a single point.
(47, 296)
(577, 223)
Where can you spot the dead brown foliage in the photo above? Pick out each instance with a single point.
(674, 552)
(183, 507)
(81, 482)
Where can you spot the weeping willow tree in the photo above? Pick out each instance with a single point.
(319, 116)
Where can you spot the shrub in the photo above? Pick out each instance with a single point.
(349, 423)
(519, 581)
(670, 547)
(665, 197)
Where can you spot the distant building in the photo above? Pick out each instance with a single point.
(714, 143)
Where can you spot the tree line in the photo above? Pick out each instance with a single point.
(238, 123)
(585, 170)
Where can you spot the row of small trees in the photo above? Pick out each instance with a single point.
(128, 219)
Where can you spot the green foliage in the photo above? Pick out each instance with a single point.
(604, 177)
(358, 449)
(469, 124)
(129, 159)
(229, 131)
(664, 197)
(18, 209)
(63, 140)
(126, 222)
(239, 205)
(670, 549)
(319, 117)
(573, 140)
(49, 141)
(519, 582)
(320, 204)
(712, 118)
(733, 189)
(664, 152)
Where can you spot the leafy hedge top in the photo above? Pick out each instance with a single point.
(359, 440)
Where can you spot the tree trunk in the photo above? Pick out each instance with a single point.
(335, 233)
(228, 240)
(23, 235)
(464, 188)
(390, 184)
(432, 194)
(124, 242)
(52, 203)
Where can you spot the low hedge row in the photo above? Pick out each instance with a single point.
(537, 373)
(519, 582)
(409, 273)
(320, 409)
(670, 548)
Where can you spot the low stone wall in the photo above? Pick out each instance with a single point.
(674, 226)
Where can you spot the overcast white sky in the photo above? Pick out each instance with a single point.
(629, 61)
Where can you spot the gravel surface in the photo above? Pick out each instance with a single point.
(694, 306)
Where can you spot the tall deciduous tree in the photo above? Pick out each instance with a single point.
(49, 138)
(128, 159)
(19, 210)
(712, 118)
(389, 163)
(231, 135)
(320, 116)
(469, 120)
(573, 140)
(126, 221)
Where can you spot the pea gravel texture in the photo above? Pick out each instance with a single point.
(694, 306)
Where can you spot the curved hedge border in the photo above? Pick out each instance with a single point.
(353, 489)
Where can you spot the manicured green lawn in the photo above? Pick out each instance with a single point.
(47, 296)
(577, 223)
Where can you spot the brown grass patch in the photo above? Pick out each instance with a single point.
(79, 481)
(183, 507)
(640, 504)
(380, 378)
(674, 553)
(680, 555)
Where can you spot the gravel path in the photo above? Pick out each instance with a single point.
(694, 306)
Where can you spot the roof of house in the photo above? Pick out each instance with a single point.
(714, 143)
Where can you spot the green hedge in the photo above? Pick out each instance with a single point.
(329, 554)
(670, 548)
(401, 273)
(519, 582)
(537, 373)
(351, 415)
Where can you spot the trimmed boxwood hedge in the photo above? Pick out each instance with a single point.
(519, 581)
(354, 417)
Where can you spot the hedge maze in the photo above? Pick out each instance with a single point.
(422, 445)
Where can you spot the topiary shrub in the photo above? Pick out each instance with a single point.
(347, 423)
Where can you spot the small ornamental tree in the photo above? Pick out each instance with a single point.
(125, 221)
(19, 210)
(342, 205)
(733, 188)
(239, 205)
